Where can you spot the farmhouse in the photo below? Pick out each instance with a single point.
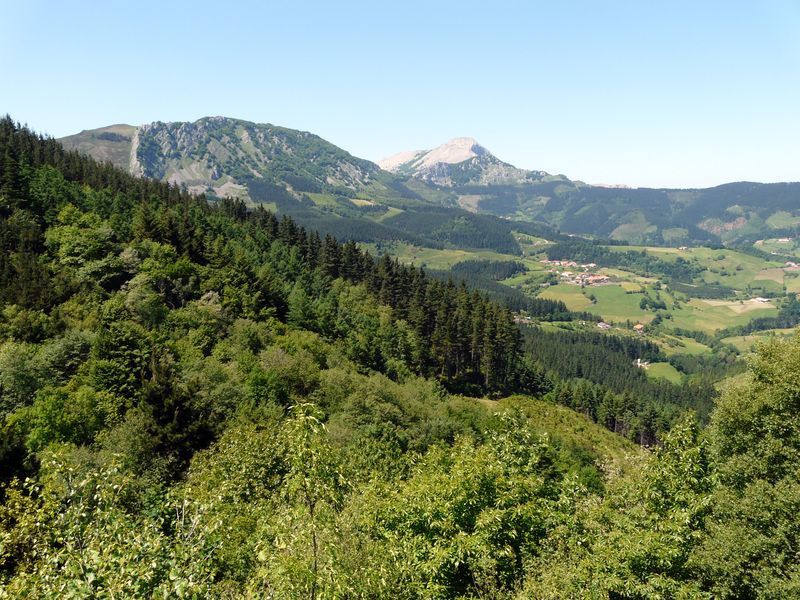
(603, 325)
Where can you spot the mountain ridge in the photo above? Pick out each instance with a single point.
(299, 173)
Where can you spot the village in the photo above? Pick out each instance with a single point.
(582, 278)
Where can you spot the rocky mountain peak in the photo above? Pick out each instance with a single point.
(459, 161)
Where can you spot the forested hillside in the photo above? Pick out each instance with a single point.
(202, 400)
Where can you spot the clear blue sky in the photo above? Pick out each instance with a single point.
(645, 93)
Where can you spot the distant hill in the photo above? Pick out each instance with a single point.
(478, 181)
(735, 212)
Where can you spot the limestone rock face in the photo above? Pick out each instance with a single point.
(228, 157)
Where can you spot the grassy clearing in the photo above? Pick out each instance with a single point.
(391, 211)
(664, 371)
(571, 295)
(746, 343)
(673, 344)
(712, 315)
(782, 220)
(638, 227)
(779, 246)
(613, 303)
(323, 200)
(434, 258)
(791, 280)
(666, 253)
(530, 244)
(270, 206)
(626, 275)
(776, 275)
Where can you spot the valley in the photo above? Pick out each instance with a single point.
(730, 291)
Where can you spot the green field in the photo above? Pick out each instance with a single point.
(746, 343)
(323, 200)
(611, 301)
(664, 371)
(571, 295)
(712, 315)
(779, 246)
(391, 211)
(530, 244)
(672, 344)
(782, 220)
(722, 267)
(434, 258)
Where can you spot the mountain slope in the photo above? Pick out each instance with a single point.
(735, 212)
(106, 144)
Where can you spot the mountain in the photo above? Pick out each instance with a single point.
(729, 213)
(461, 161)
(228, 157)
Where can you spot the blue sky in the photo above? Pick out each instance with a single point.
(644, 93)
